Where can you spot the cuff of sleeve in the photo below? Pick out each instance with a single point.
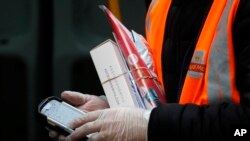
(163, 122)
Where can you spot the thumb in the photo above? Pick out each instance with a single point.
(74, 98)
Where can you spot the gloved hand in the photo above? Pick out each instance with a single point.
(83, 102)
(118, 124)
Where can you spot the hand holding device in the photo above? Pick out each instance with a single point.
(85, 102)
(115, 124)
(57, 114)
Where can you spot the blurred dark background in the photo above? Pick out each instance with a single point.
(44, 50)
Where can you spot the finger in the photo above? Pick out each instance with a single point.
(97, 137)
(84, 130)
(88, 117)
(53, 134)
(74, 98)
(62, 138)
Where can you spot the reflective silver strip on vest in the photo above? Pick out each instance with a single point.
(148, 24)
(219, 88)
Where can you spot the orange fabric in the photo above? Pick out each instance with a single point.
(235, 94)
(195, 90)
(157, 17)
(190, 93)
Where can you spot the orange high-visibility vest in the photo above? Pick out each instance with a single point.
(211, 74)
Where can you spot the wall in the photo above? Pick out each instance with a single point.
(44, 49)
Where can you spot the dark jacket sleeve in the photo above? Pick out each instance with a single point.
(213, 122)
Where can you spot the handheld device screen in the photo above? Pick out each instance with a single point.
(61, 112)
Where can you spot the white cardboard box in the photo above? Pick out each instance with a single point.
(114, 76)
